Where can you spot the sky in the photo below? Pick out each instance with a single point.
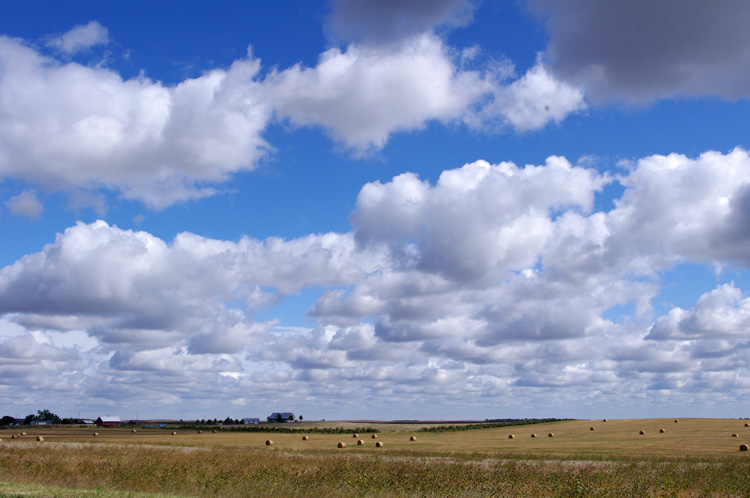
(368, 209)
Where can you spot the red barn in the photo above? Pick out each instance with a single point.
(108, 421)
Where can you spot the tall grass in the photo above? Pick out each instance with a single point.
(234, 472)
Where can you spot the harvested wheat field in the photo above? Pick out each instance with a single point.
(695, 458)
(691, 437)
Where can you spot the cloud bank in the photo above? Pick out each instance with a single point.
(504, 294)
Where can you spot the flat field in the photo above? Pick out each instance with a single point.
(692, 457)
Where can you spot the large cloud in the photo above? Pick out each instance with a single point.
(67, 125)
(492, 218)
(722, 313)
(366, 93)
(643, 50)
(677, 208)
(132, 290)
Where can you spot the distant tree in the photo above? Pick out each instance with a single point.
(42, 415)
(68, 421)
(47, 415)
(300, 418)
(7, 420)
(228, 420)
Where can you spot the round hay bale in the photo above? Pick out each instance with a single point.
(199, 432)
(743, 447)
(360, 442)
(735, 435)
(214, 431)
(305, 438)
(374, 436)
(511, 436)
(15, 436)
(378, 444)
(342, 445)
(413, 438)
(604, 420)
(592, 428)
(551, 434)
(269, 442)
(533, 435)
(747, 425)
(675, 421)
(661, 431)
(134, 431)
(23, 433)
(174, 433)
(355, 435)
(39, 438)
(642, 433)
(96, 434)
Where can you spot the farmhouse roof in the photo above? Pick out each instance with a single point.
(109, 419)
(282, 415)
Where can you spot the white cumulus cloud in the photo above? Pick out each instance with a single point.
(81, 38)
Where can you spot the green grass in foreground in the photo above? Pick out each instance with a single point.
(14, 490)
(112, 471)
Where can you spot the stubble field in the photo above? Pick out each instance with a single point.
(693, 457)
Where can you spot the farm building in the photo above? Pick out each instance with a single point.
(108, 421)
(253, 421)
(282, 417)
(41, 422)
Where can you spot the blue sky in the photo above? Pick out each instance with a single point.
(363, 209)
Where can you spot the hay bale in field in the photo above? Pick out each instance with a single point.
(747, 425)
(675, 421)
(735, 435)
(269, 442)
(199, 432)
(355, 435)
(214, 431)
(23, 433)
(174, 433)
(134, 431)
(511, 436)
(533, 435)
(360, 442)
(661, 431)
(743, 447)
(604, 420)
(39, 438)
(305, 438)
(378, 444)
(551, 434)
(592, 428)
(642, 433)
(15, 436)
(374, 436)
(96, 434)
(413, 438)
(342, 445)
